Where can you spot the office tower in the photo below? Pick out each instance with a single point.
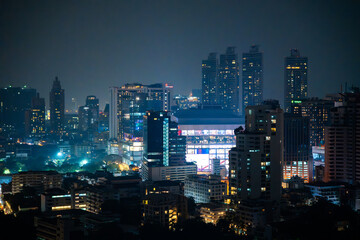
(255, 162)
(318, 112)
(342, 140)
(93, 103)
(252, 78)
(295, 83)
(14, 102)
(74, 105)
(71, 122)
(37, 116)
(163, 145)
(113, 113)
(209, 80)
(57, 107)
(84, 117)
(128, 105)
(104, 119)
(297, 148)
(228, 88)
(89, 115)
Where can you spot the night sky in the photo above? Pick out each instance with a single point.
(91, 45)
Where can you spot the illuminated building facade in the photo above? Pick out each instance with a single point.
(57, 108)
(40, 180)
(228, 88)
(183, 103)
(205, 188)
(209, 135)
(318, 112)
(128, 106)
(329, 191)
(162, 143)
(255, 162)
(297, 149)
(172, 173)
(71, 125)
(209, 80)
(211, 212)
(37, 116)
(295, 84)
(342, 140)
(164, 209)
(252, 76)
(89, 116)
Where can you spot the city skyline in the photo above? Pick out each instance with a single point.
(170, 48)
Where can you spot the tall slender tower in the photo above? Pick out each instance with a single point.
(57, 107)
(209, 80)
(228, 95)
(252, 78)
(37, 116)
(295, 78)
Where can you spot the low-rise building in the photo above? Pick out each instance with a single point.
(329, 191)
(172, 173)
(165, 209)
(211, 213)
(205, 188)
(40, 180)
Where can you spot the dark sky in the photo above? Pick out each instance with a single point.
(91, 45)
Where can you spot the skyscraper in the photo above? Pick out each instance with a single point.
(255, 162)
(297, 148)
(164, 149)
(57, 107)
(252, 78)
(128, 105)
(209, 80)
(318, 112)
(14, 102)
(295, 83)
(228, 95)
(342, 140)
(37, 116)
(162, 143)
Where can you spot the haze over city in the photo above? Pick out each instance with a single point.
(91, 45)
(202, 119)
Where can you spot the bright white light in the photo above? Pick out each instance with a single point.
(83, 162)
(59, 154)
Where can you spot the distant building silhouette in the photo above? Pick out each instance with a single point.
(252, 77)
(14, 102)
(209, 80)
(57, 107)
(228, 90)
